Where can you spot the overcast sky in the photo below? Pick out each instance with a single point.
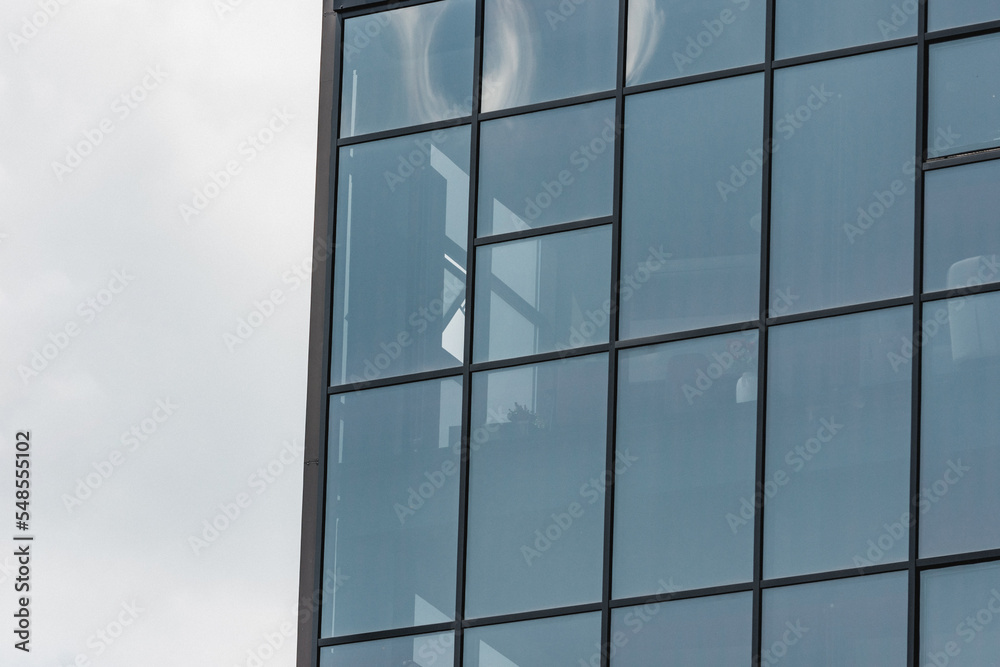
(157, 166)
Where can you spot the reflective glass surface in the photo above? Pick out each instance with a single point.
(392, 507)
(407, 66)
(838, 442)
(961, 234)
(542, 294)
(437, 650)
(708, 632)
(812, 26)
(668, 39)
(960, 433)
(399, 276)
(691, 216)
(943, 14)
(857, 621)
(541, 50)
(536, 486)
(842, 182)
(687, 416)
(547, 167)
(548, 642)
(963, 104)
(960, 616)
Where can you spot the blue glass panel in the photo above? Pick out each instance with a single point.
(812, 26)
(960, 433)
(842, 182)
(536, 486)
(943, 14)
(960, 616)
(837, 458)
(673, 38)
(392, 507)
(565, 640)
(687, 413)
(436, 650)
(407, 66)
(963, 109)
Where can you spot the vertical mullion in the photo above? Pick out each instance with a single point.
(470, 276)
(616, 230)
(332, 22)
(913, 613)
(762, 341)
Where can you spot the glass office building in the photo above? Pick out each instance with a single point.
(656, 332)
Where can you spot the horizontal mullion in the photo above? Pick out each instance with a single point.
(539, 358)
(695, 78)
(531, 615)
(545, 106)
(960, 292)
(858, 50)
(454, 371)
(690, 334)
(840, 310)
(962, 31)
(969, 558)
(816, 577)
(533, 232)
(388, 634)
(983, 155)
(344, 142)
(669, 596)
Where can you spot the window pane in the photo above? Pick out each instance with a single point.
(959, 610)
(566, 640)
(812, 26)
(858, 621)
(536, 486)
(407, 66)
(548, 167)
(541, 50)
(843, 204)
(950, 13)
(392, 506)
(673, 38)
(399, 277)
(687, 416)
(963, 108)
(542, 294)
(691, 226)
(960, 434)
(838, 441)
(424, 650)
(708, 632)
(961, 235)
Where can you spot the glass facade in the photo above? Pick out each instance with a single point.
(658, 332)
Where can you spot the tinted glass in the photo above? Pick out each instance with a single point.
(842, 207)
(423, 650)
(399, 277)
(673, 38)
(407, 66)
(943, 14)
(540, 50)
(960, 616)
(858, 621)
(811, 26)
(961, 234)
(392, 507)
(536, 489)
(566, 640)
(691, 225)
(542, 294)
(960, 435)
(838, 441)
(687, 416)
(708, 632)
(548, 167)
(963, 108)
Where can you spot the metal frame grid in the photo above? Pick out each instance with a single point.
(319, 391)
